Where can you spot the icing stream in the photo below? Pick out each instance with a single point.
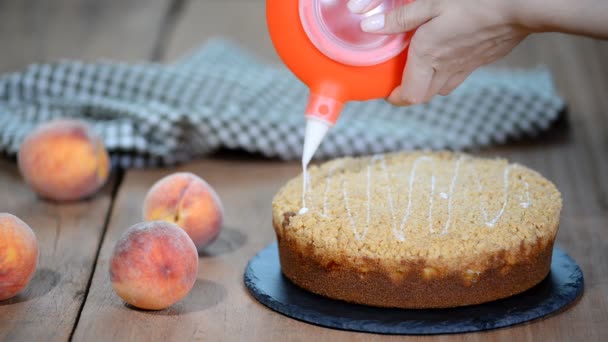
(305, 188)
(399, 230)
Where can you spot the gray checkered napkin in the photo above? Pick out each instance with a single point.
(220, 97)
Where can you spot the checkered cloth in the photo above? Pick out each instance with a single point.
(220, 97)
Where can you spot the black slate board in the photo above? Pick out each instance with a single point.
(266, 283)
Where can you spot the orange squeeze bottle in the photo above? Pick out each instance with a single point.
(323, 44)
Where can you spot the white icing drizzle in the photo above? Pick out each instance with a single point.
(361, 236)
(304, 210)
(369, 192)
(389, 193)
(309, 189)
(306, 190)
(506, 172)
(399, 234)
(505, 198)
(330, 174)
(526, 203)
(431, 204)
(358, 236)
(451, 195)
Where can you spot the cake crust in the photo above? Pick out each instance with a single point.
(319, 252)
(377, 288)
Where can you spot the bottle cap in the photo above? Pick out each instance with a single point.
(337, 33)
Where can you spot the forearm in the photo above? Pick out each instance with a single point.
(580, 17)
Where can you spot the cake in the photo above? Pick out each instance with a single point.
(417, 230)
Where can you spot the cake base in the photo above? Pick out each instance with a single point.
(266, 283)
(376, 288)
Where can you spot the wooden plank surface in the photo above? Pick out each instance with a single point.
(69, 235)
(219, 308)
(241, 21)
(40, 31)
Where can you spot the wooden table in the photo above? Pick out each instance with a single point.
(71, 297)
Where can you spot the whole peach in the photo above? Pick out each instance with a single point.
(154, 265)
(64, 161)
(188, 201)
(18, 255)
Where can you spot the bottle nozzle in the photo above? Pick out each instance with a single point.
(315, 132)
(322, 112)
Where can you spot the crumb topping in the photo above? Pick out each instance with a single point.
(443, 209)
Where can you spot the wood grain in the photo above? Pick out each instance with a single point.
(41, 31)
(69, 235)
(220, 308)
(241, 21)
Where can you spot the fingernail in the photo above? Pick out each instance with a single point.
(408, 99)
(405, 102)
(358, 6)
(373, 23)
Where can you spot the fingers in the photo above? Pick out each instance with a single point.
(441, 83)
(416, 82)
(402, 19)
(396, 99)
(439, 80)
(362, 6)
(453, 82)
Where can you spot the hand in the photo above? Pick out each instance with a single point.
(452, 39)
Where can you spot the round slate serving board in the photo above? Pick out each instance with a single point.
(265, 282)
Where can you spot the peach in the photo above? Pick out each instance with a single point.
(188, 201)
(18, 255)
(64, 161)
(154, 265)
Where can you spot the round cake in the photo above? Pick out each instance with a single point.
(417, 230)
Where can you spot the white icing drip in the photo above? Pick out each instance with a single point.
(358, 236)
(505, 198)
(369, 192)
(431, 204)
(399, 234)
(309, 189)
(306, 189)
(526, 203)
(304, 210)
(492, 223)
(389, 193)
(451, 195)
(327, 187)
(480, 188)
